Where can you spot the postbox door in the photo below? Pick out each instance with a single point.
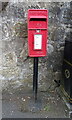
(37, 43)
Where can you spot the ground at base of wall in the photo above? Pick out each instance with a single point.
(66, 98)
(20, 103)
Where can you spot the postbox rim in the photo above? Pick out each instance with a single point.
(38, 17)
(44, 17)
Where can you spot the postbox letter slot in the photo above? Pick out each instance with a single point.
(37, 19)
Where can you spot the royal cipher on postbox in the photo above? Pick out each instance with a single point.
(37, 32)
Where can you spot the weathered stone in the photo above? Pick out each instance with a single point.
(3, 5)
(16, 67)
(21, 29)
(9, 59)
(57, 75)
(50, 48)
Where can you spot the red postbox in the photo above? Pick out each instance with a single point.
(37, 32)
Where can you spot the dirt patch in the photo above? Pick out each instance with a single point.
(49, 104)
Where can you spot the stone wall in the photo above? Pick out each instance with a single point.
(16, 67)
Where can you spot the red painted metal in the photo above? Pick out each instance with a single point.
(37, 25)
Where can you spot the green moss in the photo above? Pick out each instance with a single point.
(47, 108)
(21, 29)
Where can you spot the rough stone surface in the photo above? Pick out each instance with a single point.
(17, 67)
